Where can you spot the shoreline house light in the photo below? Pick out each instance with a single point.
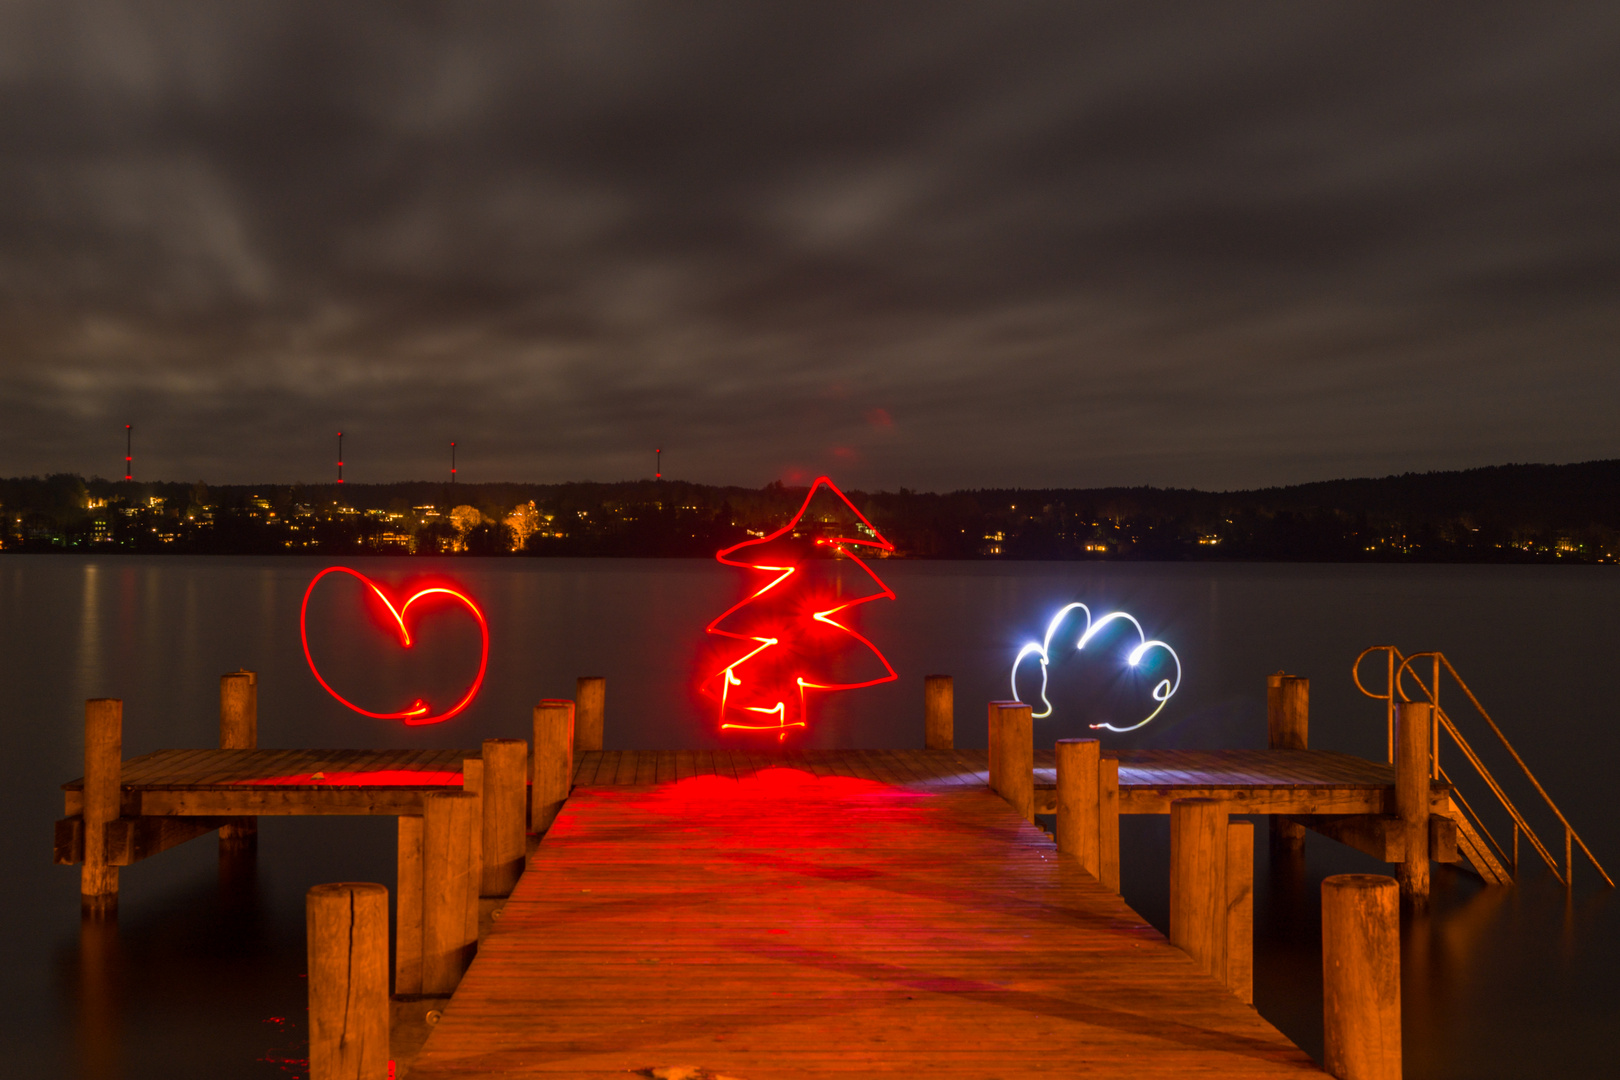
(1163, 690)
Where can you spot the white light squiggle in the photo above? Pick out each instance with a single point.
(1162, 691)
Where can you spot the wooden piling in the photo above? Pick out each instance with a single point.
(1012, 755)
(1288, 710)
(472, 780)
(1108, 823)
(1288, 706)
(1413, 721)
(1078, 792)
(408, 907)
(939, 712)
(551, 762)
(103, 763)
(1198, 897)
(447, 884)
(239, 711)
(1361, 977)
(347, 926)
(239, 730)
(590, 696)
(505, 763)
(1240, 909)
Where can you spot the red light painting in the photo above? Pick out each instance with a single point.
(420, 712)
(790, 635)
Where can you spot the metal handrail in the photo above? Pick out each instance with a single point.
(1396, 686)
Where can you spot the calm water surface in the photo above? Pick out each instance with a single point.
(202, 975)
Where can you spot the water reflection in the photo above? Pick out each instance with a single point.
(202, 975)
(100, 1012)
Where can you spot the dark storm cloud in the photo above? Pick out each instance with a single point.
(1053, 243)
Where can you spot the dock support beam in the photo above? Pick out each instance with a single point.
(591, 695)
(103, 763)
(1240, 909)
(939, 712)
(239, 730)
(1079, 829)
(408, 907)
(1012, 755)
(551, 765)
(506, 762)
(1198, 897)
(1414, 723)
(472, 781)
(1108, 823)
(1288, 706)
(1361, 977)
(448, 888)
(347, 928)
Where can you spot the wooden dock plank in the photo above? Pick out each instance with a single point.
(214, 782)
(829, 928)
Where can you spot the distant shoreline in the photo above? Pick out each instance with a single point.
(1510, 514)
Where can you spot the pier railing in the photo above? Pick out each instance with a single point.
(1398, 668)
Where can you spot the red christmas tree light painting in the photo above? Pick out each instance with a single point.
(790, 632)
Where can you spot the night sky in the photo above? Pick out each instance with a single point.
(929, 245)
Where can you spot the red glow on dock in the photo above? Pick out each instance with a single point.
(420, 712)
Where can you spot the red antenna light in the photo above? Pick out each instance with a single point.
(658, 464)
(452, 462)
(129, 452)
(340, 457)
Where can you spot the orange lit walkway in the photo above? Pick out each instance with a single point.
(788, 925)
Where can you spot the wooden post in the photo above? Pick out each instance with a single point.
(1108, 823)
(590, 692)
(1198, 882)
(1288, 710)
(1412, 723)
(472, 780)
(408, 907)
(939, 712)
(347, 926)
(103, 798)
(551, 764)
(1240, 909)
(505, 762)
(239, 730)
(1288, 704)
(447, 882)
(1012, 755)
(1361, 977)
(1078, 790)
(239, 711)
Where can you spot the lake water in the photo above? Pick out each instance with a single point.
(201, 976)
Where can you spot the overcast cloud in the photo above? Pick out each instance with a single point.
(933, 245)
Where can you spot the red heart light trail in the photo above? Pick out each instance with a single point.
(774, 670)
(420, 711)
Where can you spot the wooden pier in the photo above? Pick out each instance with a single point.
(703, 914)
(841, 917)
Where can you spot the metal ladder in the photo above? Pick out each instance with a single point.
(1474, 840)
